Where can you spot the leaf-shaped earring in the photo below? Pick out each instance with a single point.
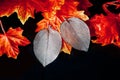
(47, 45)
(76, 33)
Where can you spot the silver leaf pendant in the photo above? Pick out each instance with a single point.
(76, 33)
(47, 45)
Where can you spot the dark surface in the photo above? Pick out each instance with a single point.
(99, 63)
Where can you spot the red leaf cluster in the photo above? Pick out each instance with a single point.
(107, 27)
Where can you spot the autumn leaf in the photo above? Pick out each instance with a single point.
(107, 27)
(10, 41)
(24, 9)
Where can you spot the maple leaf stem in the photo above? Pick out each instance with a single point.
(2, 27)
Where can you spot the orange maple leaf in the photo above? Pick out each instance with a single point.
(24, 9)
(10, 41)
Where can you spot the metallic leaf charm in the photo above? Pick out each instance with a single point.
(47, 45)
(76, 33)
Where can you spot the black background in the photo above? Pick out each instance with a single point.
(99, 63)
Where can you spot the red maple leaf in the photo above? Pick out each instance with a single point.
(24, 9)
(107, 27)
(10, 41)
